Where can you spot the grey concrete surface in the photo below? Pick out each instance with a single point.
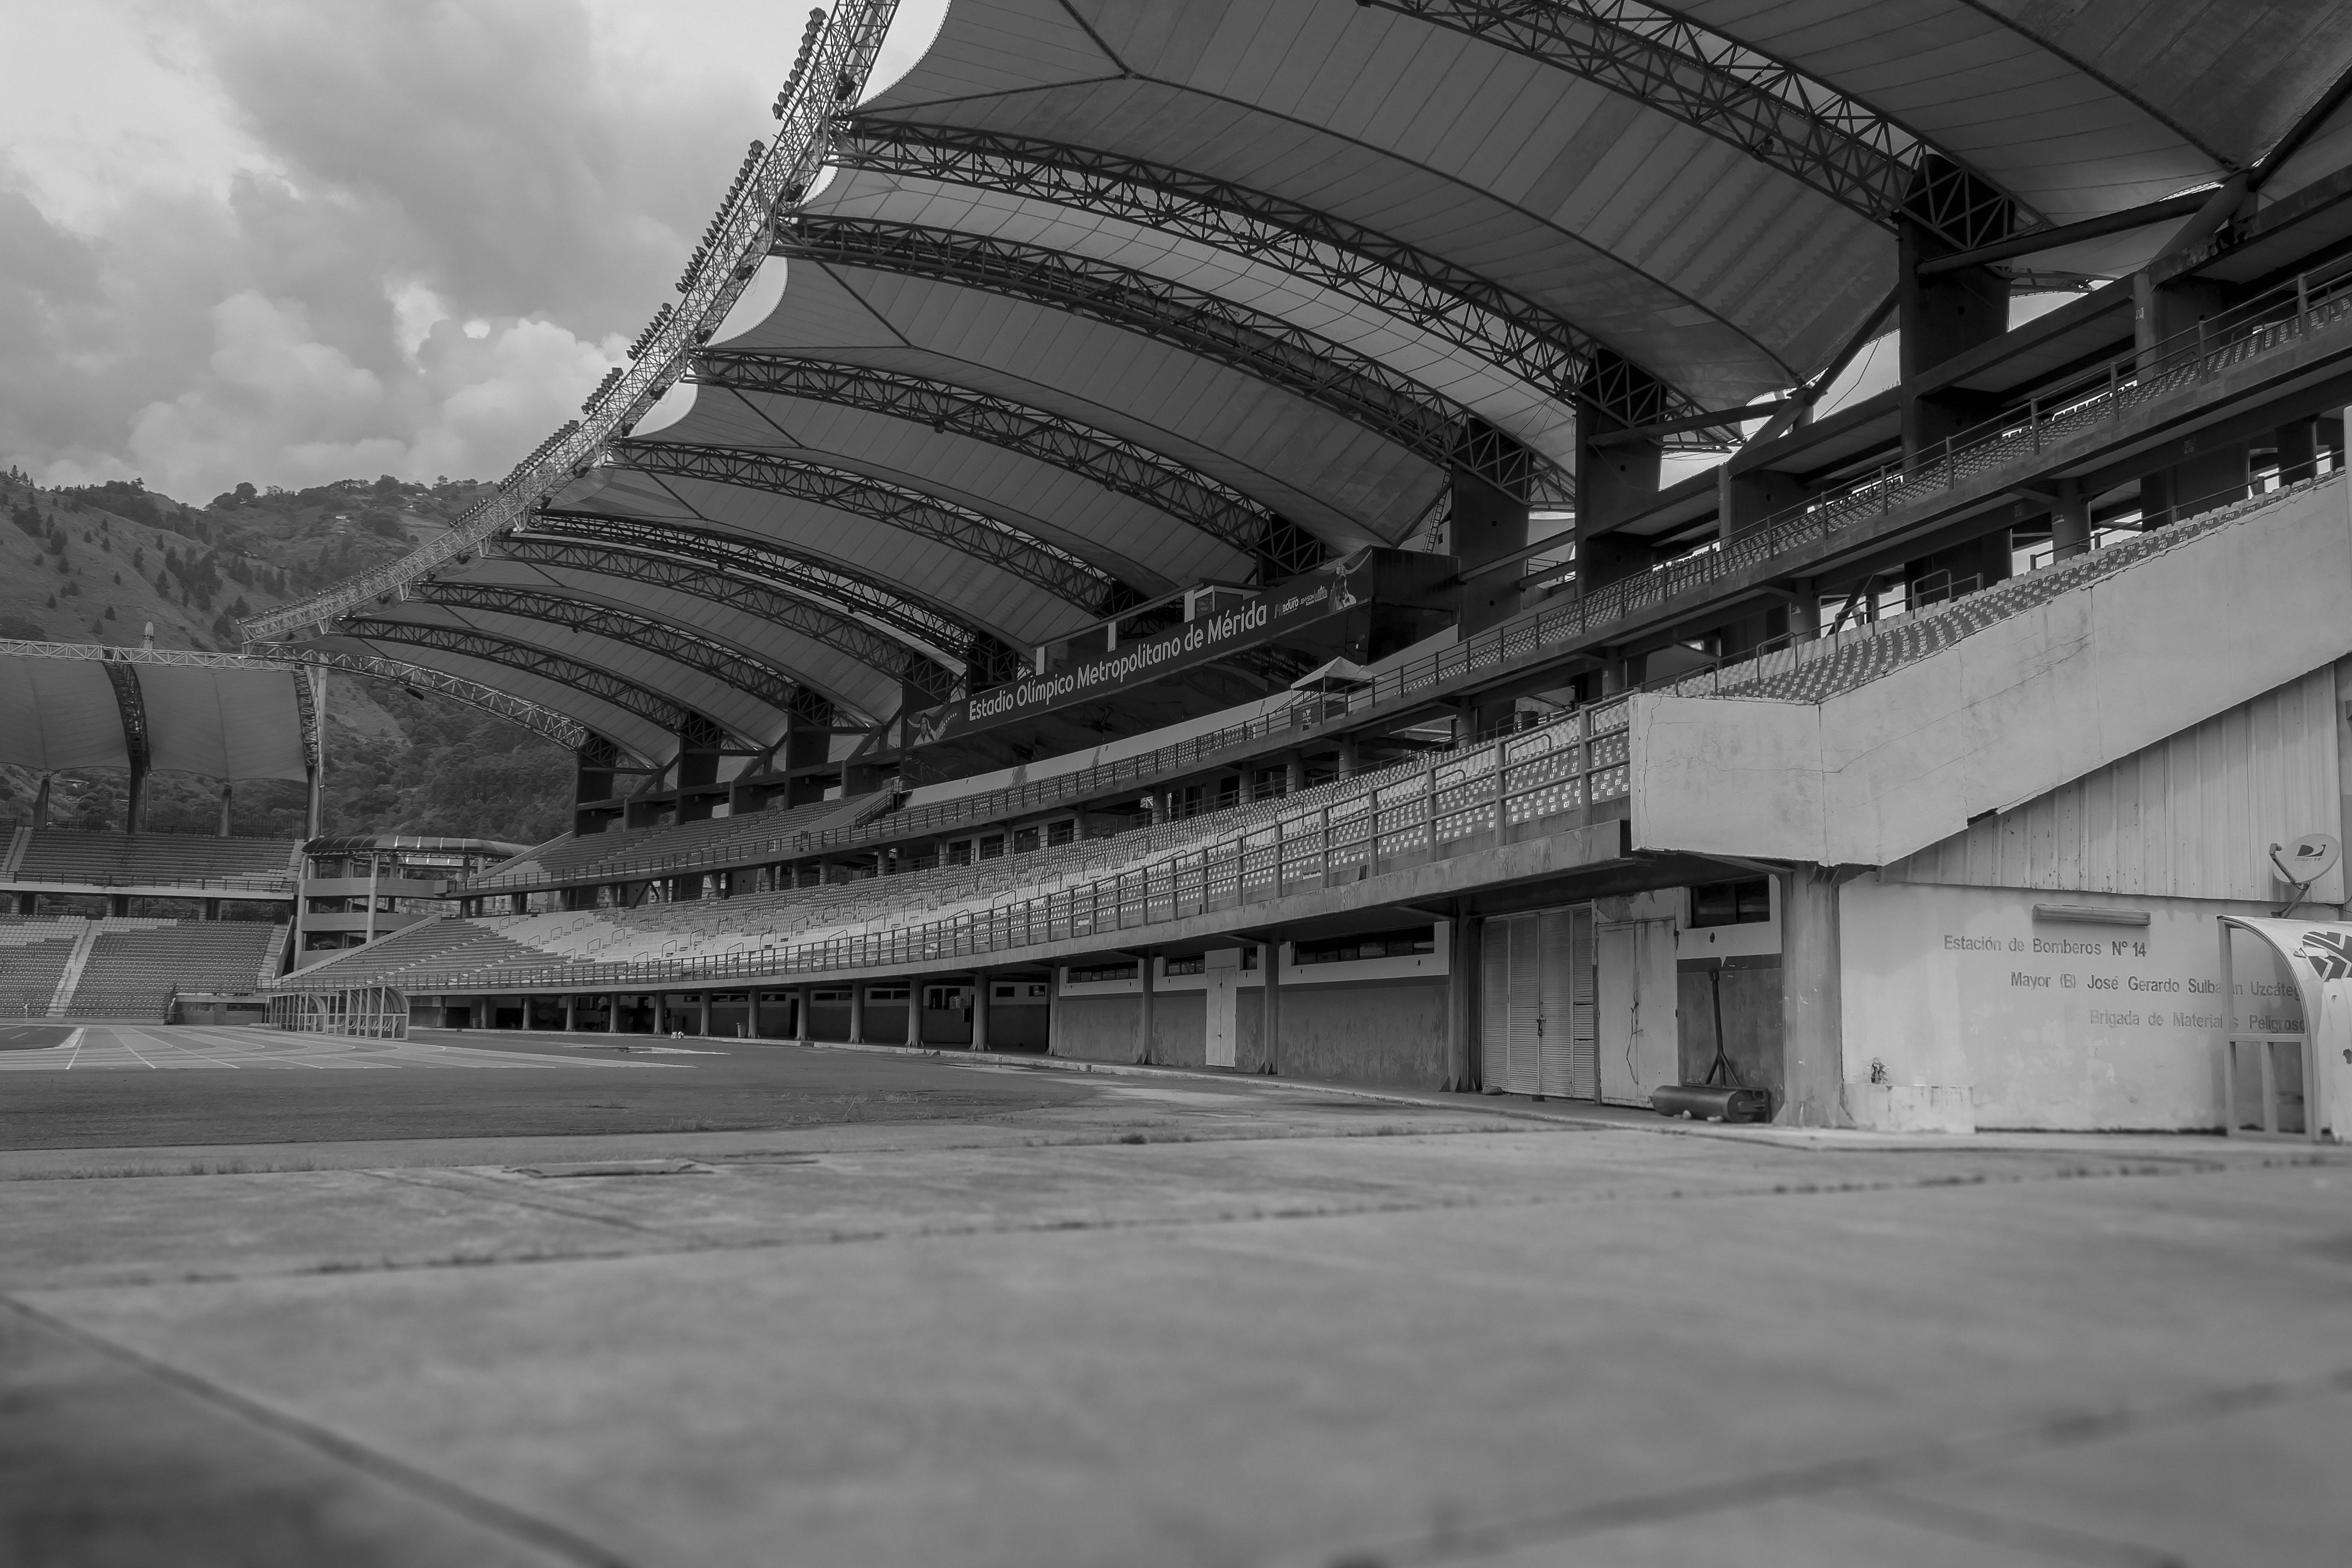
(1178, 1322)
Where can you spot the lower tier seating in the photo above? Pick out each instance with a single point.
(33, 953)
(154, 859)
(136, 966)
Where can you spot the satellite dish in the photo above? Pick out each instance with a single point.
(2307, 860)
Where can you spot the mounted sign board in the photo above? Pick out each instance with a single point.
(1291, 609)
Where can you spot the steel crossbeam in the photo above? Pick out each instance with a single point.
(825, 85)
(1359, 389)
(1215, 508)
(1399, 279)
(983, 538)
(889, 652)
(1766, 108)
(730, 665)
(602, 684)
(741, 574)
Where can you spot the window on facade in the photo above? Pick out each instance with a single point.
(1195, 964)
(1747, 902)
(886, 994)
(1061, 831)
(1102, 972)
(993, 846)
(837, 996)
(943, 998)
(1024, 839)
(1379, 944)
(959, 852)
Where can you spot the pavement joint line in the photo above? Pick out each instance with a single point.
(439, 1490)
(677, 1244)
(1771, 1134)
(1826, 1477)
(1957, 1523)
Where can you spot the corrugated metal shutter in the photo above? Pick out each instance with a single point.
(1494, 1006)
(1527, 1021)
(1584, 1015)
(1558, 945)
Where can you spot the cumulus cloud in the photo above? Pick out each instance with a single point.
(396, 236)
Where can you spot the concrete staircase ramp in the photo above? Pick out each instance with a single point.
(1899, 739)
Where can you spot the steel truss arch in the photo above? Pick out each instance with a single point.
(1768, 109)
(602, 684)
(731, 666)
(972, 533)
(1399, 279)
(1158, 481)
(732, 570)
(933, 671)
(1362, 390)
(839, 55)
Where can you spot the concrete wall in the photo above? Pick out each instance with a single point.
(1371, 1032)
(2191, 816)
(1977, 1014)
(2029, 703)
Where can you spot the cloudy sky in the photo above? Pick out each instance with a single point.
(289, 241)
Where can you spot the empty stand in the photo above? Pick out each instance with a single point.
(662, 851)
(136, 966)
(33, 953)
(155, 860)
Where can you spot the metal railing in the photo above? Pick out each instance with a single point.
(1490, 793)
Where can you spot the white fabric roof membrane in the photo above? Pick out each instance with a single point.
(59, 713)
(225, 723)
(1123, 535)
(1321, 470)
(222, 724)
(635, 733)
(1727, 265)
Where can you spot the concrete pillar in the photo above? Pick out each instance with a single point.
(2298, 451)
(661, 1012)
(1812, 1049)
(1269, 968)
(1462, 976)
(1144, 1011)
(227, 789)
(1294, 774)
(2070, 521)
(1805, 612)
(915, 1010)
(1347, 756)
(41, 804)
(857, 1013)
(800, 1011)
(612, 1013)
(702, 1013)
(979, 1011)
(751, 1013)
(570, 1012)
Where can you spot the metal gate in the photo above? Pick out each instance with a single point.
(1539, 1026)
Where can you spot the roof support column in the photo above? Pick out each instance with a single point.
(1951, 312)
(1489, 523)
(1616, 481)
(593, 780)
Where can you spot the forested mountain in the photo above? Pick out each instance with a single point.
(104, 562)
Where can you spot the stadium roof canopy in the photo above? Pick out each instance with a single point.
(1107, 296)
(225, 716)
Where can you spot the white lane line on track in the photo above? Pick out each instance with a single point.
(73, 1040)
(121, 1043)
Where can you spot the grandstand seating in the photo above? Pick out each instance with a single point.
(157, 859)
(33, 953)
(595, 945)
(135, 965)
(1814, 671)
(654, 851)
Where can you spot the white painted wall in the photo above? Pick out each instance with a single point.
(1945, 987)
(2012, 712)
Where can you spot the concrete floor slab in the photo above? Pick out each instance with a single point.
(1185, 1323)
